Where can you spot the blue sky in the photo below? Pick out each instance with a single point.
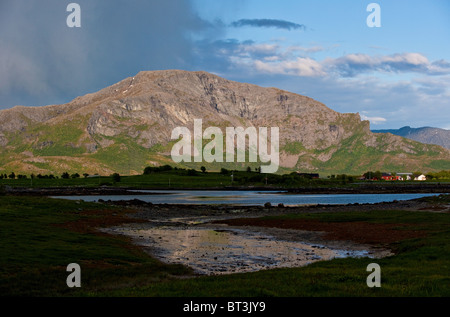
(395, 75)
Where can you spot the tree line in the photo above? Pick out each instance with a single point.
(65, 175)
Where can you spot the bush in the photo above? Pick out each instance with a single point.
(116, 177)
(192, 172)
(150, 169)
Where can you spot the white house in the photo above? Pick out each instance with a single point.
(421, 178)
(406, 176)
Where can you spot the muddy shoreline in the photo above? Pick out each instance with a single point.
(177, 234)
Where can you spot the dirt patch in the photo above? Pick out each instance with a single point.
(91, 220)
(442, 209)
(359, 232)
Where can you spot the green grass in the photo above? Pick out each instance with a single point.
(124, 155)
(35, 251)
(180, 179)
(293, 147)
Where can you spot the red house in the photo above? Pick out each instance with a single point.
(389, 177)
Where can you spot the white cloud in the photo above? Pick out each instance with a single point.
(263, 48)
(374, 120)
(269, 58)
(354, 64)
(307, 50)
(306, 67)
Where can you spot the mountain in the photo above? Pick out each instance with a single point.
(127, 126)
(425, 135)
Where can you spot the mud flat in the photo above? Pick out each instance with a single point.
(226, 239)
(233, 239)
(211, 249)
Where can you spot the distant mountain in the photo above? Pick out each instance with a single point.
(127, 126)
(425, 135)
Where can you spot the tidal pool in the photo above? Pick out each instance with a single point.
(223, 250)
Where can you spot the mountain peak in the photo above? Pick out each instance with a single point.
(427, 135)
(127, 126)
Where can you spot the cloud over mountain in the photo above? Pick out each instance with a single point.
(42, 60)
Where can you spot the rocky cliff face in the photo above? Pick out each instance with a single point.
(128, 126)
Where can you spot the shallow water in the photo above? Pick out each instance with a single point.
(248, 198)
(222, 250)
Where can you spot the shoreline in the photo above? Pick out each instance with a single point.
(168, 223)
(150, 211)
(379, 188)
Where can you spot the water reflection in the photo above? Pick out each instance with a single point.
(220, 250)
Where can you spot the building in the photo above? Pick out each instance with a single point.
(420, 178)
(406, 176)
(390, 177)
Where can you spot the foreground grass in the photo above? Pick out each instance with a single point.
(36, 245)
(35, 250)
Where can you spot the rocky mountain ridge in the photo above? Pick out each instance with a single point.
(127, 126)
(427, 135)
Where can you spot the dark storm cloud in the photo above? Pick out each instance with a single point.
(268, 23)
(43, 61)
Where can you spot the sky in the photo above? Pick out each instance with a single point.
(395, 75)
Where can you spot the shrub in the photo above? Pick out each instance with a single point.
(116, 177)
(150, 169)
(192, 172)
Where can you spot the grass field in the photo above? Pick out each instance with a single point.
(39, 237)
(180, 179)
(176, 179)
